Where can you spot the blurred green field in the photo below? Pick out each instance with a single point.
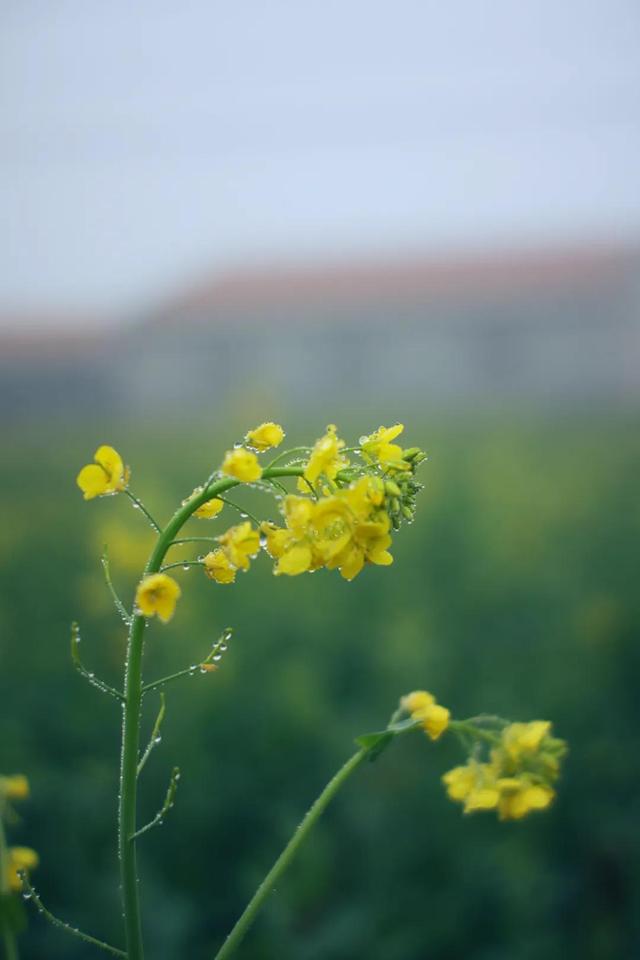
(516, 591)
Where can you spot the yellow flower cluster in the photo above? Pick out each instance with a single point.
(238, 546)
(343, 522)
(423, 707)
(107, 475)
(340, 532)
(519, 777)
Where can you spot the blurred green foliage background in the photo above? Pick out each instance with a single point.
(516, 592)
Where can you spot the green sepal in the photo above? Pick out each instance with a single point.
(13, 915)
(375, 743)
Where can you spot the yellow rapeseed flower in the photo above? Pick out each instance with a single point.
(378, 445)
(218, 567)
(15, 787)
(520, 739)
(326, 457)
(158, 594)
(242, 464)
(240, 543)
(474, 785)
(19, 858)
(520, 796)
(264, 437)
(107, 475)
(209, 509)
(433, 717)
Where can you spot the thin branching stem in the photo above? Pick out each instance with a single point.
(31, 894)
(119, 605)
(140, 506)
(193, 540)
(181, 563)
(82, 670)
(133, 692)
(214, 654)
(315, 811)
(154, 739)
(241, 510)
(166, 806)
(293, 451)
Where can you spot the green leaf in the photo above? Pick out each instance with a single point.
(375, 743)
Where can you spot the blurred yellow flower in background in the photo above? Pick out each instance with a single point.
(19, 858)
(15, 787)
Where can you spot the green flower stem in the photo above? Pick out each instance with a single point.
(131, 711)
(140, 506)
(241, 510)
(312, 816)
(468, 726)
(181, 563)
(8, 936)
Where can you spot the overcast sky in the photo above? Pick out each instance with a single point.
(144, 144)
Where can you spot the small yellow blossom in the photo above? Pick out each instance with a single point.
(474, 785)
(378, 445)
(15, 787)
(218, 567)
(240, 543)
(520, 739)
(264, 437)
(518, 780)
(520, 796)
(19, 859)
(434, 718)
(209, 509)
(107, 475)
(158, 593)
(242, 464)
(417, 700)
(208, 667)
(326, 457)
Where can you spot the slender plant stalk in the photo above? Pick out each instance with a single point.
(133, 692)
(8, 936)
(311, 817)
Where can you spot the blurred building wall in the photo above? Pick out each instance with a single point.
(560, 326)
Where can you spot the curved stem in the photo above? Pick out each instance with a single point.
(133, 691)
(140, 506)
(315, 811)
(181, 563)
(62, 925)
(241, 510)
